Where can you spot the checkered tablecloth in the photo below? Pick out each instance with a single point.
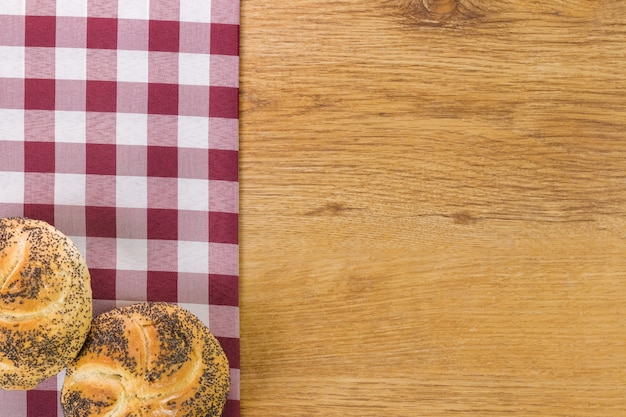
(119, 125)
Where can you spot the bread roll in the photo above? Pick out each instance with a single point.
(45, 302)
(147, 359)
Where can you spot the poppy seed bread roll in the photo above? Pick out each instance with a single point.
(147, 359)
(45, 302)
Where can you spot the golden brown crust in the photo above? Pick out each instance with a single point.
(45, 302)
(147, 359)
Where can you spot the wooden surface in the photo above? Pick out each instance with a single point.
(433, 208)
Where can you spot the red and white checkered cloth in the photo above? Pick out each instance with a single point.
(119, 125)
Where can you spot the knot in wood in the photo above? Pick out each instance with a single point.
(439, 12)
(441, 8)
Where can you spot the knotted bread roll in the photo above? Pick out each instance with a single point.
(45, 302)
(147, 359)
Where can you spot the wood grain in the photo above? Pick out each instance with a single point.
(433, 208)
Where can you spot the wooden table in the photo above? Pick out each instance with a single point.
(433, 208)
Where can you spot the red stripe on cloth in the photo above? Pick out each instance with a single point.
(164, 36)
(162, 286)
(40, 31)
(223, 165)
(162, 98)
(223, 227)
(224, 39)
(162, 161)
(101, 33)
(101, 96)
(100, 159)
(101, 221)
(163, 224)
(231, 409)
(39, 157)
(103, 283)
(224, 290)
(231, 349)
(224, 102)
(39, 94)
(43, 212)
